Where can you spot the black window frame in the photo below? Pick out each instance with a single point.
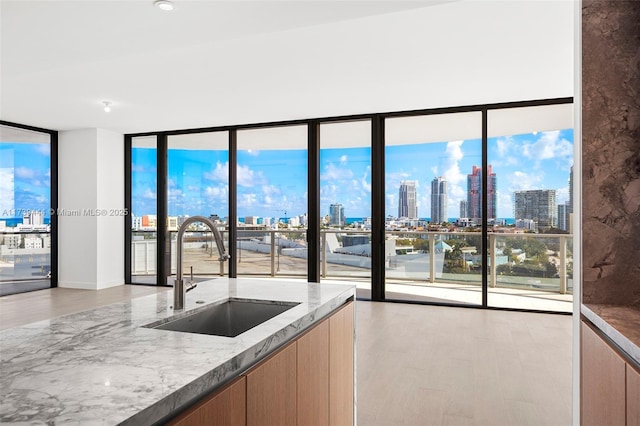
(313, 186)
(53, 140)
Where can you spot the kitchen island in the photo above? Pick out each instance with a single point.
(103, 367)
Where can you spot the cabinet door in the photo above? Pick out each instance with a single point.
(341, 340)
(633, 397)
(226, 407)
(271, 390)
(313, 377)
(603, 382)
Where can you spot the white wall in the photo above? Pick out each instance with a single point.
(110, 190)
(91, 176)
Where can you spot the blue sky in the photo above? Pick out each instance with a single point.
(25, 177)
(271, 182)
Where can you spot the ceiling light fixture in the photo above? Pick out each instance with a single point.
(107, 106)
(163, 5)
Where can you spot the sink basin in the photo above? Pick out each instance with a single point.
(229, 318)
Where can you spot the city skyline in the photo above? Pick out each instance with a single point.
(273, 183)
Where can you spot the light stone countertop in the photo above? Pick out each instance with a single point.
(101, 367)
(621, 324)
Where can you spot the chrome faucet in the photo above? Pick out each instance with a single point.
(179, 290)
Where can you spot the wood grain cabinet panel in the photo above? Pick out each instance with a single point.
(341, 370)
(271, 390)
(313, 377)
(226, 407)
(603, 399)
(633, 397)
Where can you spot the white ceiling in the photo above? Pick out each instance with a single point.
(212, 63)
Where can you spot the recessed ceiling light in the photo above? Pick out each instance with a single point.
(163, 4)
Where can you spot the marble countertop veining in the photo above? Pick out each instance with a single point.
(101, 367)
(620, 323)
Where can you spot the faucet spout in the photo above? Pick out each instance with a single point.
(179, 289)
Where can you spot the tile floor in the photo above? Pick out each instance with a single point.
(416, 365)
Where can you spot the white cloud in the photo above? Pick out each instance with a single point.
(562, 195)
(25, 173)
(548, 145)
(270, 190)
(44, 148)
(452, 172)
(504, 145)
(332, 172)
(505, 204)
(212, 192)
(521, 181)
(247, 201)
(149, 194)
(366, 184)
(220, 173)
(249, 178)
(6, 191)
(343, 159)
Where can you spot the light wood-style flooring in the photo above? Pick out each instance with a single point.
(416, 365)
(25, 308)
(431, 365)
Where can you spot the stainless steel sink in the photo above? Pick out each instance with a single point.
(230, 318)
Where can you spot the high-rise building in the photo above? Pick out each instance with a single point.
(439, 200)
(33, 217)
(336, 214)
(474, 194)
(568, 211)
(570, 204)
(464, 212)
(563, 216)
(407, 206)
(538, 205)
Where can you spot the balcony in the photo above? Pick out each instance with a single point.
(525, 271)
(25, 261)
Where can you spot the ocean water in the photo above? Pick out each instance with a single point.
(15, 221)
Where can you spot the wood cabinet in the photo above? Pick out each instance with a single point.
(633, 397)
(226, 407)
(308, 382)
(271, 390)
(341, 367)
(603, 382)
(313, 376)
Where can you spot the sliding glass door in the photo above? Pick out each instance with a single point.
(26, 210)
(465, 206)
(433, 250)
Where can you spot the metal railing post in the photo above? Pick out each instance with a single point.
(432, 258)
(273, 255)
(323, 254)
(492, 261)
(562, 270)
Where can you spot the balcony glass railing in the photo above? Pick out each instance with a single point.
(522, 263)
(25, 261)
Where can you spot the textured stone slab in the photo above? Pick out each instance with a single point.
(101, 367)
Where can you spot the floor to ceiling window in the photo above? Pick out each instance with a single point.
(27, 237)
(530, 248)
(345, 203)
(197, 185)
(433, 208)
(144, 209)
(272, 201)
(460, 206)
